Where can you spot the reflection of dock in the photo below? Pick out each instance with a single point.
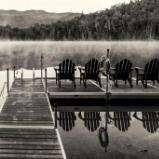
(26, 123)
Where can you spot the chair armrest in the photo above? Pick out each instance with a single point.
(81, 69)
(139, 70)
(132, 69)
(56, 68)
(112, 71)
(112, 68)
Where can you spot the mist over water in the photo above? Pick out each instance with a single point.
(27, 54)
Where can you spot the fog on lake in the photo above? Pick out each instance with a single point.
(27, 53)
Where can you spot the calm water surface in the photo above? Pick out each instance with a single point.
(99, 135)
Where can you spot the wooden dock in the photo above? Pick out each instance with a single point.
(94, 98)
(27, 129)
(26, 124)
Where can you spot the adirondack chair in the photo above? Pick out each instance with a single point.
(150, 72)
(90, 71)
(122, 71)
(66, 70)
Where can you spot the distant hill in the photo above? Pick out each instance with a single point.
(24, 19)
(136, 20)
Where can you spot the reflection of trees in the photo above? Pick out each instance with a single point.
(136, 20)
(150, 120)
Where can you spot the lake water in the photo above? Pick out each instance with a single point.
(27, 54)
(125, 135)
(87, 135)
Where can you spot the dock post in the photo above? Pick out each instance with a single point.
(8, 81)
(33, 73)
(55, 114)
(21, 74)
(14, 72)
(107, 75)
(41, 67)
(45, 79)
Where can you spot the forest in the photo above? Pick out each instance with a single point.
(137, 20)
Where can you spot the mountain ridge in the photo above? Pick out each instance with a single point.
(27, 18)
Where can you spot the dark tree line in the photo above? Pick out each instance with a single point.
(136, 20)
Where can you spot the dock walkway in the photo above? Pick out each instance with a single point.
(26, 124)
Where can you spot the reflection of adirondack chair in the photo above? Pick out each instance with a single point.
(66, 70)
(90, 71)
(122, 71)
(150, 121)
(67, 120)
(91, 120)
(150, 72)
(121, 120)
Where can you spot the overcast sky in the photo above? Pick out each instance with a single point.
(86, 6)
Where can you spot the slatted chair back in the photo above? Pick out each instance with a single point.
(92, 69)
(123, 69)
(151, 71)
(66, 69)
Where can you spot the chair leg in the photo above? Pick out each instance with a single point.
(130, 82)
(100, 84)
(59, 82)
(74, 82)
(84, 82)
(137, 80)
(144, 83)
(56, 80)
(80, 79)
(116, 83)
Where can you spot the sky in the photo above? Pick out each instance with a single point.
(85, 6)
